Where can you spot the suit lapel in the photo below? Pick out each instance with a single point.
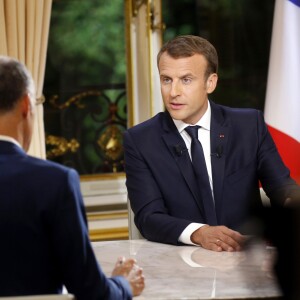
(219, 135)
(177, 148)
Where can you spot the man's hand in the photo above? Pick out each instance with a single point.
(132, 272)
(218, 238)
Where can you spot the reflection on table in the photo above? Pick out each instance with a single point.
(189, 272)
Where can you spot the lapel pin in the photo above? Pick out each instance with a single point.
(221, 135)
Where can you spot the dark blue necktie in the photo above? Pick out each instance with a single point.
(202, 175)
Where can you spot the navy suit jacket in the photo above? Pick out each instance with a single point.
(43, 232)
(161, 184)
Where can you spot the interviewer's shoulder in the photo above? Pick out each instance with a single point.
(49, 168)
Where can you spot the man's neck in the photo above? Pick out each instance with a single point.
(11, 126)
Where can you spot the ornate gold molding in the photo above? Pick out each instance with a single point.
(109, 234)
(105, 234)
(104, 176)
(110, 142)
(155, 19)
(107, 215)
(61, 146)
(75, 99)
(154, 24)
(136, 4)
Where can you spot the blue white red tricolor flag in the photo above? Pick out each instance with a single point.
(282, 106)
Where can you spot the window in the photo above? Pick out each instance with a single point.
(85, 108)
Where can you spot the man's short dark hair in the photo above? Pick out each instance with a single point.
(188, 45)
(15, 82)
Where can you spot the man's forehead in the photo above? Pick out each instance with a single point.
(181, 66)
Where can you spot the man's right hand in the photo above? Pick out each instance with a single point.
(218, 238)
(132, 272)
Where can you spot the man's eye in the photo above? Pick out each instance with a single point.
(166, 80)
(186, 80)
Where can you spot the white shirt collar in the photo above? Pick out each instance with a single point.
(9, 139)
(204, 122)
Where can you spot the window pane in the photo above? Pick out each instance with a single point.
(85, 110)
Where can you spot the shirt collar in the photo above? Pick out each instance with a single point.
(9, 139)
(204, 122)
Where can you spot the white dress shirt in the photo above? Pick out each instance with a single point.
(204, 138)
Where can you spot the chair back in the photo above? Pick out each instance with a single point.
(134, 233)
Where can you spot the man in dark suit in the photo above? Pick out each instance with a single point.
(43, 228)
(176, 200)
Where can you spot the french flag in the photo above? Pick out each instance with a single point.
(282, 106)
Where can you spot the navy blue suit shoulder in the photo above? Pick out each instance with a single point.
(44, 234)
(152, 125)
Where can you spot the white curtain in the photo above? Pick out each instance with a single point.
(24, 30)
(144, 39)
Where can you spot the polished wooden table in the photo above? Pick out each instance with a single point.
(189, 272)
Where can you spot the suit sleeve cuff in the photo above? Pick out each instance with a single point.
(185, 236)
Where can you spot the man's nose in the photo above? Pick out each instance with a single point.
(175, 89)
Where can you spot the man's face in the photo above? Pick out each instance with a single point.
(184, 87)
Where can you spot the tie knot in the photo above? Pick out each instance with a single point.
(192, 131)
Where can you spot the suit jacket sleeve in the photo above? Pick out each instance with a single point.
(152, 217)
(80, 271)
(273, 174)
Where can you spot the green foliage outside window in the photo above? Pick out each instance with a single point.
(86, 75)
(87, 43)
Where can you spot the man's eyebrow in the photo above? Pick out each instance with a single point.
(164, 75)
(182, 76)
(189, 74)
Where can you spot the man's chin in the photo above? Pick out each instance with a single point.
(176, 115)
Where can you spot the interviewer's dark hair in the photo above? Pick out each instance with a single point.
(188, 45)
(15, 82)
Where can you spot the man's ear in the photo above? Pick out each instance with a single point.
(211, 83)
(25, 105)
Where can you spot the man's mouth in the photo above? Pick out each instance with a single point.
(176, 105)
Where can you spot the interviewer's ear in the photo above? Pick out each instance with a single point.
(211, 83)
(25, 105)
